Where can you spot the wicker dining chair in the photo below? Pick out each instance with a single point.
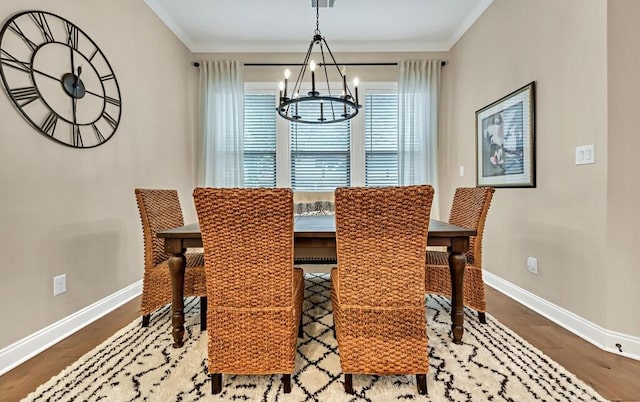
(254, 293)
(160, 210)
(469, 210)
(377, 288)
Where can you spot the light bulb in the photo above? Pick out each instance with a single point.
(312, 65)
(287, 73)
(356, 81)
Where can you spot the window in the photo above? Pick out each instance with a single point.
(381, 140)
(259, 140)
(320, 154)
(320, 157)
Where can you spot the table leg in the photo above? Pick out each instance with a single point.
(457, 263)
(177, 265)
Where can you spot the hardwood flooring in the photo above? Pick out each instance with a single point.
(22, 380)
(614, 377)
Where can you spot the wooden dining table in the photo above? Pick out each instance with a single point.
(317, 232)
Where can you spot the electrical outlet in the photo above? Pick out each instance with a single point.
(59, 284)
(532, 265)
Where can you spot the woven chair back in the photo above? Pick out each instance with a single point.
(469, 210)
(381, 240)
(247, 236)
(159, 210)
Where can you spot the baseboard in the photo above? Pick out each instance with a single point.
(611, 341)
(21, 351)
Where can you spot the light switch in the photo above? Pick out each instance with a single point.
(585, 155)
(461, 171)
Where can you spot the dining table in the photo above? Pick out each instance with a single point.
(317, 234)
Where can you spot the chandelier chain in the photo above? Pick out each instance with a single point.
(317, 32)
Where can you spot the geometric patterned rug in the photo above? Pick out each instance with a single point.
(139, 364)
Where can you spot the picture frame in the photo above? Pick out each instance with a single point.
(505, 141)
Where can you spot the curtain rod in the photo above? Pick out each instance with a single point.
(196, 64)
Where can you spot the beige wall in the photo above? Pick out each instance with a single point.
(73, 211)
(562, 46)
(622, 269)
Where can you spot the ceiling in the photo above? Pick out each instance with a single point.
(288, 25)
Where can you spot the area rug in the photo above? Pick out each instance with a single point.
(139, 364)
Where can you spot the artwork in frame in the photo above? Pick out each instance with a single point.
(505, 141)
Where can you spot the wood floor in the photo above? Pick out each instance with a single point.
(615, 378)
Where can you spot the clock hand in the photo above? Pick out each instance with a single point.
(75, 84)
(46, 75)
(75, 134)
(73, 65)
(75, 97)
(59, 80)
(74, 103)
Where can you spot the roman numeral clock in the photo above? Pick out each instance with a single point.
(59, 80)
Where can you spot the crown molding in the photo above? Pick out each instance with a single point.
(468, 22)
(168, 20)
(336, 46)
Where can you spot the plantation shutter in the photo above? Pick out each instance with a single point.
(381, 140)
(320, 158)
(259, 140)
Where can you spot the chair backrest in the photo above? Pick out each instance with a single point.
(247, 236)
(469, 210)
(381, 238)
(159, 210)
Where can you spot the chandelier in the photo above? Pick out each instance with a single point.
(314, 106)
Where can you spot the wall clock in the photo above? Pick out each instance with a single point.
(59, 79)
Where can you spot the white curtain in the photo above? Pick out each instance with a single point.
(222, 113)
(418, 87)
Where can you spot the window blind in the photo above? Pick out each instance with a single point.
(381, 139)
(259, 140)
(320, 157)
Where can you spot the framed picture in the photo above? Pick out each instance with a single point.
(505, 141)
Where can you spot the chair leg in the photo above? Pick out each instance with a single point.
(286, 383)
(421, 381)
(145, 320)
(482, 317)
(348, 383)
(300, 332)
(216, 383)
(203, 313)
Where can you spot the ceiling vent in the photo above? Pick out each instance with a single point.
(323, 3)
